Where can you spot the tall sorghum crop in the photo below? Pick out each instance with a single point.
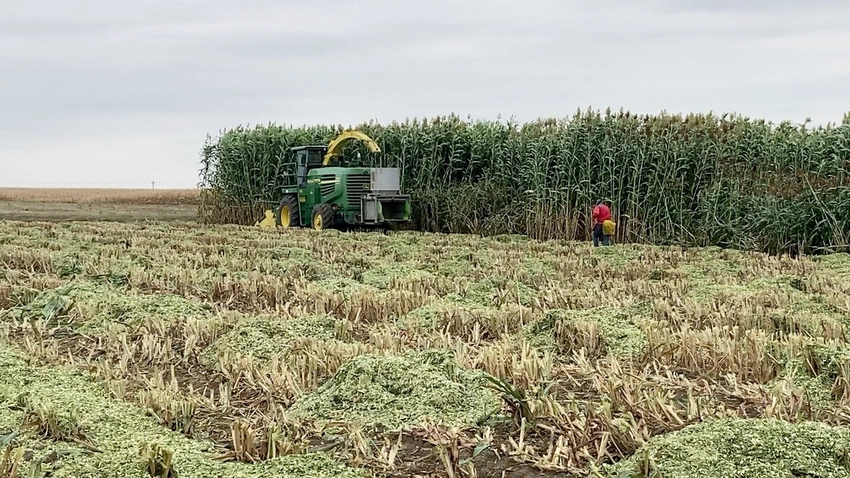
(695, 179)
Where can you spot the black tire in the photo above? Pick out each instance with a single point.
(326, 214)
(290, 202)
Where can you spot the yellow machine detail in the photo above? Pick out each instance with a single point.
(335, 146)
(268, 221)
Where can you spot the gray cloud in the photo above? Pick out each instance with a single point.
(100, 92)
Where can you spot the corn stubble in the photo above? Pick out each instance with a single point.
(408, 354)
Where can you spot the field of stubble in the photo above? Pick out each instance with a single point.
(81, 204)
(130, 350)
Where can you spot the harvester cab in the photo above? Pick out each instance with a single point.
(322, 192)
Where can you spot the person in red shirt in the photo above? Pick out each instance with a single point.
(601, 213)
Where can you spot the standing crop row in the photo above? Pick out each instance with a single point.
(695, 179)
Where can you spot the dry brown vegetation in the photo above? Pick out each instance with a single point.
(116, 205)
(100, 196)
(386, 352)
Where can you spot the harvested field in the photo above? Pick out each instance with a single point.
(122, 205)
(99, 196)
(135, 349)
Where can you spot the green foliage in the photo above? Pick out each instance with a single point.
(94, 305)
(396, 392)
(573, 329)
(495, 290)
(695, 179)
(752, 448)
(384, 276)
(48, 422)
(157, 461)
(838, 264)
(265, 338)
(514, 397)
(121, 431)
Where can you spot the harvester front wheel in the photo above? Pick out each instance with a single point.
(323, 217)
(287, 213)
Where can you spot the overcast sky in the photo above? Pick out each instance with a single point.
(111, 93)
